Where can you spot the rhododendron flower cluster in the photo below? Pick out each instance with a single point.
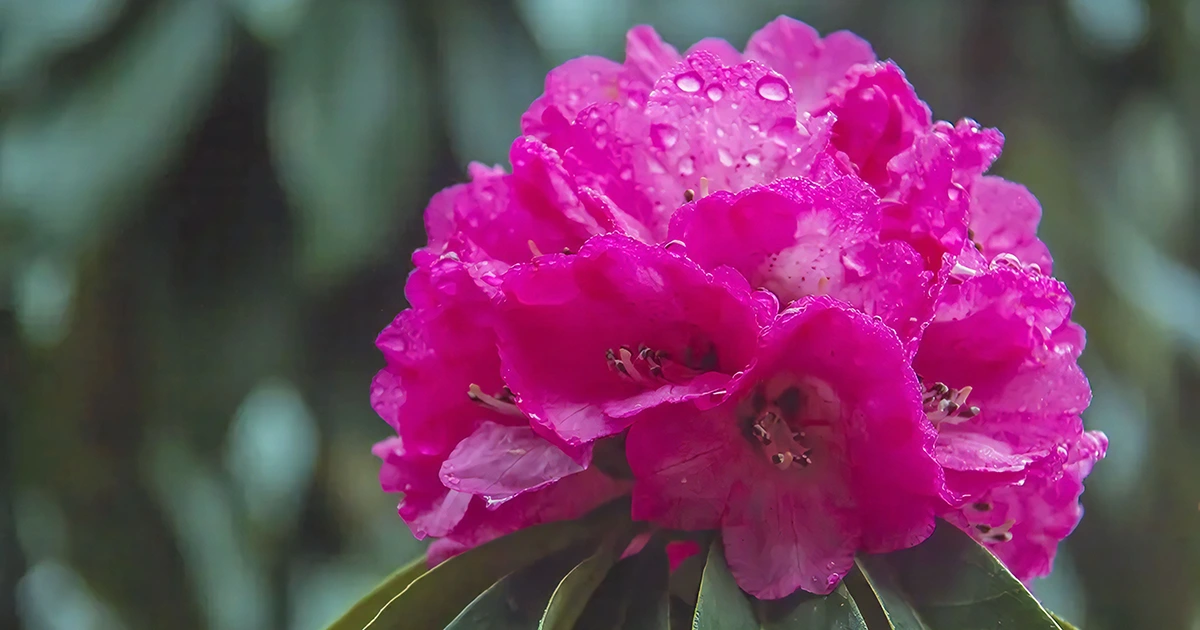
(764, 293)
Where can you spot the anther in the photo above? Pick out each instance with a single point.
(982, 506)
(567, 251)
(689, 195)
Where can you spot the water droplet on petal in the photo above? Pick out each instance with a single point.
(626, 174)
(715, 93)
(752, 157)
(601, 127)
(665, 136)
(687, 166)
(725, 157)
(688, 82)
(772, 88)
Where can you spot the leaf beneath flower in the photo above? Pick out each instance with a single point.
(950, 582)
(365, 610)
(516, 601)
(633, 596)
(437, 597)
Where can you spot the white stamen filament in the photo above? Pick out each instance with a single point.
(703, 187)
(475, 393)
(533, 248)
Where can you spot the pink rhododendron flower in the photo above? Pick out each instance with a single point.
(819, 450)
(797, 304)
(469, 465)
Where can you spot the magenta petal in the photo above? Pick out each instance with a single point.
(567, 317)
(1023, 524)
(887, 439)
(878, 117)
(812, 66)
(570, 88)
(500, 462)
(646, 55)
(686, 485)
(778, 540)
(719, 48)
(797, 238)
(1005, 217)
(428, 507)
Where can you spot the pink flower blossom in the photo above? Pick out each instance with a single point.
(592, 339)
(1003, 388)
(818, 451)
(626, 276)
(470, 466)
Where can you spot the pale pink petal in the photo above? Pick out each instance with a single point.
(812, 66)
(566, 318)
(500, 462)
(1004, 218)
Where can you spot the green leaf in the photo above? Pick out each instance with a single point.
(349, 132)
(516, 602)
(365, 610)
(950, 582)
(801, 610)
(36, 32)
(1062, 623)
(633, 596)
(723, 606)
(436, 598)
(573, 593)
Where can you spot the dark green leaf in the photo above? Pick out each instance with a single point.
(436, 598)
(573, 593)
(633, 596)
(365, 610)
(1062, 623)
(801, 610)
(721, 605)
(950, 582)
(270, 20)
(516, 602)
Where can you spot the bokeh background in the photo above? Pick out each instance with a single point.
(206, 213)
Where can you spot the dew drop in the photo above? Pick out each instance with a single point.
(601, 127)
(688, 82)
(715, 93)
(952, 193)
(752, 157)
(687, 166)
(665, 136)
(772, 88)
(725, 157)
(626, 174)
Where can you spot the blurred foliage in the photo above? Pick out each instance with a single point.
(206, 211)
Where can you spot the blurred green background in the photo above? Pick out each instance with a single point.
(206, 213)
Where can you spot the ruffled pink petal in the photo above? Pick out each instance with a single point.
(496, 216)
(973, 147)
(428, 507)
(1004, 218)
(797, 238)
(647, 56)
(570, 498)
(500, 462)
(734, 126)
(686, 463)
(1006, 334)
(569, 89)
(567, 317)
(812, 66)
(719, 48)
(894, 479)
(878, 117)
(1023, 524)
(923, 205)
(435, 353)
